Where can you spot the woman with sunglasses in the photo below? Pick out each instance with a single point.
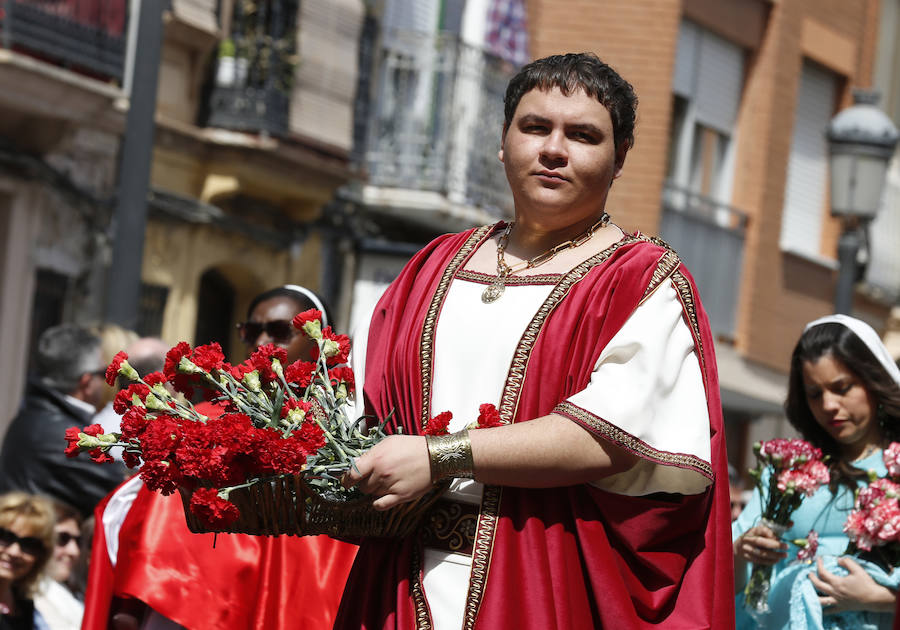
(55, 599)
(26, 538)
(249, 582)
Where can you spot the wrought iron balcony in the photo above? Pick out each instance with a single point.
(435, 120)
(709, 238)
(85, 36)
(254, 70)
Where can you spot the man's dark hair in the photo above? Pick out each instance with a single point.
(570, 72)
(64, 353)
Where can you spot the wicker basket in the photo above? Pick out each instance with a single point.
(288, 505)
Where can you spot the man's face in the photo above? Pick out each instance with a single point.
(560, 156)
(93, 388)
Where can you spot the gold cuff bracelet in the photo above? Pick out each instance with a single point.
(450, 455)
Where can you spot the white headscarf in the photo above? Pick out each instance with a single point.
(868, 336)
(312, 297)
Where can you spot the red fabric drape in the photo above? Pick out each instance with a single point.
(250, 582)
(576, 557)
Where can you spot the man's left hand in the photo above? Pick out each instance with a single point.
(396, 470)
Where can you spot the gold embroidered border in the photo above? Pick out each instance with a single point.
(686, 294)
(417, 590)
(617, 436)
(481, 553)
(490, 502)
(426, 345)
(484, 278)
(666, 265)
(510, 398)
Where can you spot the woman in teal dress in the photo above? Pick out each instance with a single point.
(843, 397)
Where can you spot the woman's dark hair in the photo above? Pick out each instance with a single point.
(841, 343)
(302, 301)
(569, 73)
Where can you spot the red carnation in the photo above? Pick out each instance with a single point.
(162, 476)
(310, 436)
(173, 358)
(306, 316)
(240, 370)
(159, 438)
(208, 357)
(439, 424)
(112, 371)
(133, 423)
(340, 375)
(124, 399)
(100, 457)
(72, 438)
(488, 416)
(131, 459)
(342, 344)
(300, 373)
(93, 429)
(261, 360)
(294, 403)
(155, 378)
(181, 382)
(213, 510)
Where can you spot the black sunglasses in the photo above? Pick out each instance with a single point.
(280, 330)
(30, 545)
(64, 538)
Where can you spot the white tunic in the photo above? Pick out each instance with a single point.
(647, 382)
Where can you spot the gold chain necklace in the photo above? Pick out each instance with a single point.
(496, 288)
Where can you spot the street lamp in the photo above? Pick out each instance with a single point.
(861, 140)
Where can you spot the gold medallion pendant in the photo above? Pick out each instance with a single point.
(492, 292)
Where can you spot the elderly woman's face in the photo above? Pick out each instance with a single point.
(20, 549)
(67, 549)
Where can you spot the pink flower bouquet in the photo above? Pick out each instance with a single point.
(874, 524)
(790, 470)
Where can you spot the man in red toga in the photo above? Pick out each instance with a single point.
(602, 500)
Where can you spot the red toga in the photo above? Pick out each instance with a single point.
(574, 557)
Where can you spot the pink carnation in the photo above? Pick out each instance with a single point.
(806, 479)
(783, 453)
(808, 550)
(891, 457)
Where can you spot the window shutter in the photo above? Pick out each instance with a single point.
(720, 75)
(807, 174)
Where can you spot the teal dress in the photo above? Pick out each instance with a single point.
(793, 601)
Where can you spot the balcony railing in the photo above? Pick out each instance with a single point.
(435, 120)
(709, 238)
(255, 69)
(85, 36)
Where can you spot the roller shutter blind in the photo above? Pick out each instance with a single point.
(807, 174)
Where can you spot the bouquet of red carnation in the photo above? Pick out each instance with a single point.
(874, 524)
(277, 420)
(284, 433)
(790, 470)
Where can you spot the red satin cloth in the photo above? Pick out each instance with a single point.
(563, 558)
(251, 582)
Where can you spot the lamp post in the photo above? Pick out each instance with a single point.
(861, 141)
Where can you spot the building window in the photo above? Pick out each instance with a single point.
(151, 307)
(805, 195)
(707, 88)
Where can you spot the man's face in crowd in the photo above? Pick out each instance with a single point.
(560, 156)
